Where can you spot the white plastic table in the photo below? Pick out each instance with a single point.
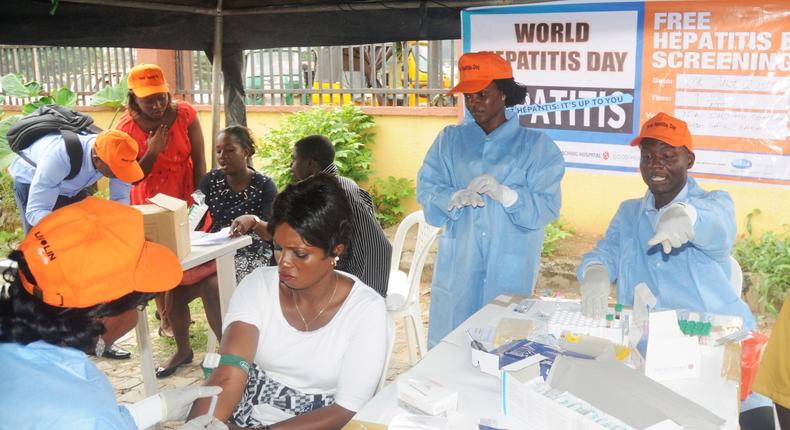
(224, 254)
(479, 394)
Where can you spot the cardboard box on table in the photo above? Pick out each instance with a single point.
(166, 222)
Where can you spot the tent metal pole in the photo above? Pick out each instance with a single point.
(216, 80)
(147, 6)
(270, 10)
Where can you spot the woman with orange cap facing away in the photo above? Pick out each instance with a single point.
(83, 262)
(172, 153)
(493, 185)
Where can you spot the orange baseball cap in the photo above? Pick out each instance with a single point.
(146, 79)
(668, 129)
(479, 69)
(93, 252)
(119, 151)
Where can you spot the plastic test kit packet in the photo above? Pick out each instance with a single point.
(627, 394)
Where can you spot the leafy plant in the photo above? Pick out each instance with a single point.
(347, 128)
(769, 258)
(554, 232)
(11, 227)
(113, 97)
(387, 196)
(14, 85)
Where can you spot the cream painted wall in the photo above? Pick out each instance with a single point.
(590, 198)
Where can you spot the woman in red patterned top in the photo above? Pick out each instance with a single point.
(169, 135)
(171, 150)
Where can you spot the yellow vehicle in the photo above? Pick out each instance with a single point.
(417, 68)
(338, 68)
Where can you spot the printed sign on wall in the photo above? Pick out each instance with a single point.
(596, 71)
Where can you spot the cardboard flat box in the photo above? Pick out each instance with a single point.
(167, 223)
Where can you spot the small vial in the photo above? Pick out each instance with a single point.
(609, 319)
(684, 326)
(618, 309)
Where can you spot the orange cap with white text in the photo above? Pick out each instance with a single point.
(92, 252)
(119, 151)
(147, 79)
(479, 69)
(668, 129)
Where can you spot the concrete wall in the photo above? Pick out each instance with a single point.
(590, 198)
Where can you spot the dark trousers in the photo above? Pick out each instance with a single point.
(21, 192)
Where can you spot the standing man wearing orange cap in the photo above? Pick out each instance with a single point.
(493, 185)
(39, 172)
(677, 240)
(85, 261)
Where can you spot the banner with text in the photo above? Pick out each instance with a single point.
(596, 71)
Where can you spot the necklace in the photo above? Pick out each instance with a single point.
(304, 321)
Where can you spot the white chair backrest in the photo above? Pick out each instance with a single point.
(390, 347)
(426, 234)
(736, 276)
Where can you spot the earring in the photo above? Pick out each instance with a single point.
(334, 261)
(99, 347)
(503, 98)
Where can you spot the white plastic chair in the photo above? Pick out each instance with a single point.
(403, 291)
(736, 276)
(390, 346)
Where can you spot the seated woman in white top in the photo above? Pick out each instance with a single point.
(316, 336)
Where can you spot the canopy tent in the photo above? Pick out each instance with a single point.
(223, 28)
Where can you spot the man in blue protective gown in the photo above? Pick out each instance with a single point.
(493, 185)
(677, 239)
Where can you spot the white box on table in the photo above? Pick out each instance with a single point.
(427, 396)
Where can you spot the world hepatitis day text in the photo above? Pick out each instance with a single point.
(556, 60)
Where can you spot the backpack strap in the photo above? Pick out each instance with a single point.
(75, 152)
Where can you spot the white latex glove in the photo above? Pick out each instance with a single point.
(465, 197)
(177, 403)
(487, 184)
(675, 227)
(595, 291)
(204, 422)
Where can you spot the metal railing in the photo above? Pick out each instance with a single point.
(416, 73)
(82, 70)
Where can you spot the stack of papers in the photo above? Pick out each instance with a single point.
(199, 238)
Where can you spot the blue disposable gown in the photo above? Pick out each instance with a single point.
(486, 251)
(50, 387)
(695, 276)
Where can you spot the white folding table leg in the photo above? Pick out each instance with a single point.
(226, 280)
(146, 357)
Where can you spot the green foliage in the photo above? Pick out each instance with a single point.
(10, 224)
(14, 85)
(113, 97)
(769, 258)
(347, 127)
(387, 196)
(555, 231)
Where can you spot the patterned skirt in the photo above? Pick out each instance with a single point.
(262, 390)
